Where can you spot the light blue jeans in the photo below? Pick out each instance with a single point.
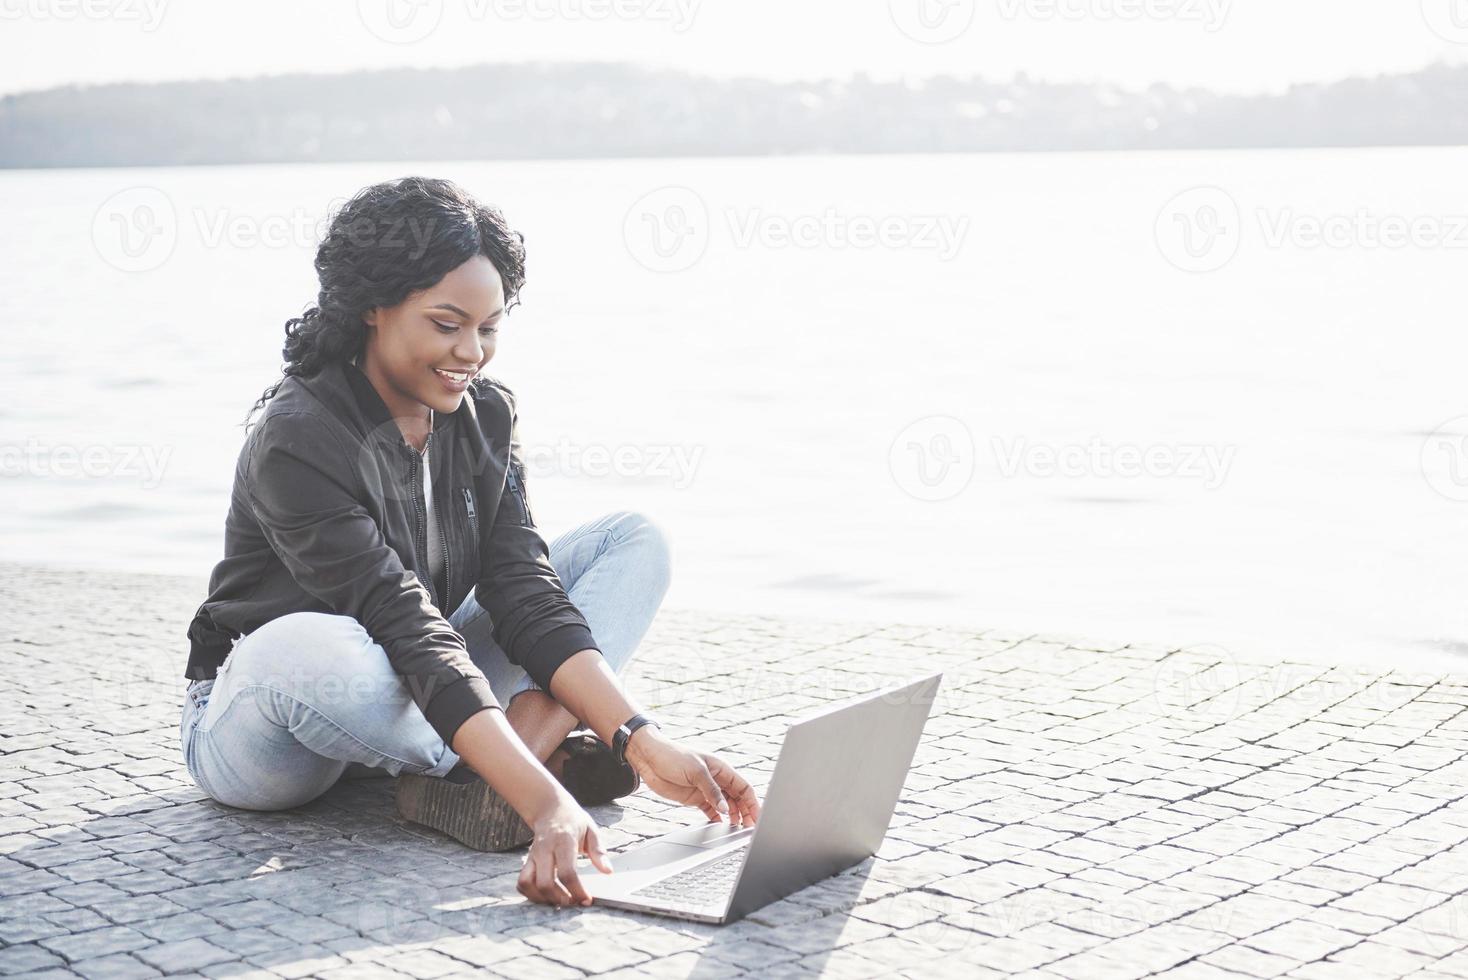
(309, 697)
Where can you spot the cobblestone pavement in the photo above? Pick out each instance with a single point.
(1076, 810)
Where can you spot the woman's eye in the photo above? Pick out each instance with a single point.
(450, 328)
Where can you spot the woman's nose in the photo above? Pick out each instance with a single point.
(471, 351)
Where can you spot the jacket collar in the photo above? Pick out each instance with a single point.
(370, 403)
(343, 386)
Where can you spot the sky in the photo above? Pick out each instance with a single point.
(1225, 45)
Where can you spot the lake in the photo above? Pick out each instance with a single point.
(1183, 398)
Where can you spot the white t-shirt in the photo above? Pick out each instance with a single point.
(435, 545)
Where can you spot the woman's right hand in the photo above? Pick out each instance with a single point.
(562, 829)
(562, 833)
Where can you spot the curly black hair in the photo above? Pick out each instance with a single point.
(392, 239)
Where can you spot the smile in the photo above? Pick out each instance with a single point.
(456, 380)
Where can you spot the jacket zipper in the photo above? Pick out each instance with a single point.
(517, 490)
(469, 508)
(443, 541)
(420, 537)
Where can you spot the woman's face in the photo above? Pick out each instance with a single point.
(424, 351)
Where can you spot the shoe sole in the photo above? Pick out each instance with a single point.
(471, 813)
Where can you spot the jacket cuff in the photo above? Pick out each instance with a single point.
(554, 649)
(453, 706)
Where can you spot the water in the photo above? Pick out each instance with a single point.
(759, 391)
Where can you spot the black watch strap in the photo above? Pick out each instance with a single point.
(624, 732)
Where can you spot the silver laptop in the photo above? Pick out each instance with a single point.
(827, 808)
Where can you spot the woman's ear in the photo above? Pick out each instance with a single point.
(370, 317)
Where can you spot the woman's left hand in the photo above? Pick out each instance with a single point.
(692, 778)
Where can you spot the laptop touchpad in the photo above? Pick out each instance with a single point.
(678, 845)
(711, 834)
(653, 855)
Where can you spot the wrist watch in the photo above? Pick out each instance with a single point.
(623, 733)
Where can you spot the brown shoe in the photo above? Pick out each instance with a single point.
(463, 806)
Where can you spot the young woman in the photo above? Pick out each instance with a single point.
(385, 602)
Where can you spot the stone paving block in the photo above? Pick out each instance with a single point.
(1294, 892)
(118, 966)
(1162, 947)
(77, 920)
(29, 929)
(1159, 861)
(1133, 833)
(97, 942)
(535, 968)
(1306, 941)
(1101, 884)
(1391, 901)
(27, 957)
(1241, 960)
(1246, 915)
(1438, 932)
(1356, 922)
(425, 964)
(1251, 871)
(1379, 959)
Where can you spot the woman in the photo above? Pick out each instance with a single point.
(383, 488)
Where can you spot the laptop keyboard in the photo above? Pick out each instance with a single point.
(699, 885)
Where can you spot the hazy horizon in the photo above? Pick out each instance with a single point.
(1225, 46)
(734, 76)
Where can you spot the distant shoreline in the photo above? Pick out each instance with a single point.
(744, 156)
(575, 111)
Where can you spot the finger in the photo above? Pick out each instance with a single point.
(704, 807)
(737, 814)
(542, 879)
(526, 885)
(710, 788)
(591, 847)
(566, 871)
(741, 794)
(545, 879)
(749, 803)
(731, 812)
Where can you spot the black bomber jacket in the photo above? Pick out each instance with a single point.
(326, 515)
